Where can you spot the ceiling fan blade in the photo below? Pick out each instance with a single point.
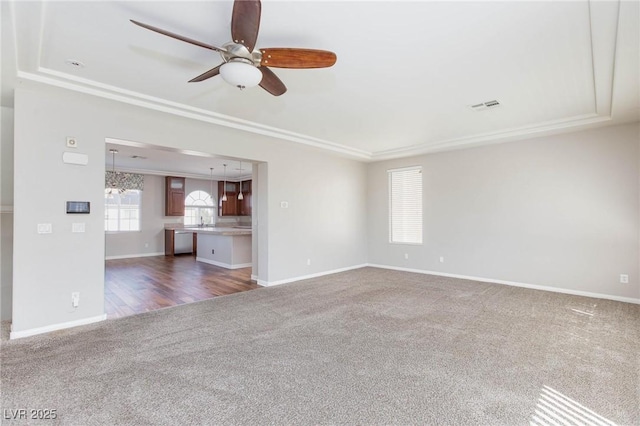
(271, 83)
(179, 37)
(282, 57)
(245, 22)
(211, 73)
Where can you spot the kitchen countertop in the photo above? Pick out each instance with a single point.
(212, 230)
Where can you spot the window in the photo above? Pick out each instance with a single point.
(405, 205)
(198, 208)
(122, 210)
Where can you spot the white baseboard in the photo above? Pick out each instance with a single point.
(130, 256)
(254, 277)
(306, 277)
(223, 265)
(513, 283)
(54, 327)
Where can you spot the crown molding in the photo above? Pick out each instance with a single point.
(604, 20)
(90, 87)
(543, 129)
(133, 98)
(163, 173)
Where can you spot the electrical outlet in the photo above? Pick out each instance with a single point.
(624, 279)
(146, 245)
(406, 255)
(75, 299)
(45, 228)
(441, 259)
(213, 251)
(308, 262)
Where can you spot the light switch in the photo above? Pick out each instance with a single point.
(77, 227)
(45, 228)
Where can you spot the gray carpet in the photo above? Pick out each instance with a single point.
(363, 347)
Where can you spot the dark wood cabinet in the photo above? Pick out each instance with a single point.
(229, 207)
(169, 242)
(174, 196)
(244, 205)
(233, 206)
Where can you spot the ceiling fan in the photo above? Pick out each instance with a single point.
(244, 65)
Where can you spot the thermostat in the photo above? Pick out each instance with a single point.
(78, 207)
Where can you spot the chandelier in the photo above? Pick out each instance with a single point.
(113, 184)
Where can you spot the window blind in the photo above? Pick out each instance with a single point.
(405, 205)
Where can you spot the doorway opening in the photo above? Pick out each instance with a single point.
(204, 247)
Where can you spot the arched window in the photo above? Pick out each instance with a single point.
(198, 208)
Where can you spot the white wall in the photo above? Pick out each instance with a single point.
(560, 211)
(324, 222)
(6, 213)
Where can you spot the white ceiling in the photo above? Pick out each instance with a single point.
(404, 79)
(140, 158)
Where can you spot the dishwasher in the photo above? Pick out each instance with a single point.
(183, 242)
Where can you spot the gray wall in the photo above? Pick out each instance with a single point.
(326, 195)
(560, 211)
(6, 213)
(47, 268)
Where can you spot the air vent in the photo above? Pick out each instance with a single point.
(74, 63)
(485, 105)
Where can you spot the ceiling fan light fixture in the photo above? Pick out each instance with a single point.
(244, 65)
(241, 73)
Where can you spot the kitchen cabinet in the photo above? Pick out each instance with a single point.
(233, 206)
(226, 251)
(174, 196)
(229, 207)
(244, 205)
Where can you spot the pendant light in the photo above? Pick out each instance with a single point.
(240, 196)
(224, 195)
(211, 168)
(113, 184)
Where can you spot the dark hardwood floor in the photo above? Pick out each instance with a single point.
(142, 284)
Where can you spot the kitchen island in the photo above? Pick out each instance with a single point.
(227, 247)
